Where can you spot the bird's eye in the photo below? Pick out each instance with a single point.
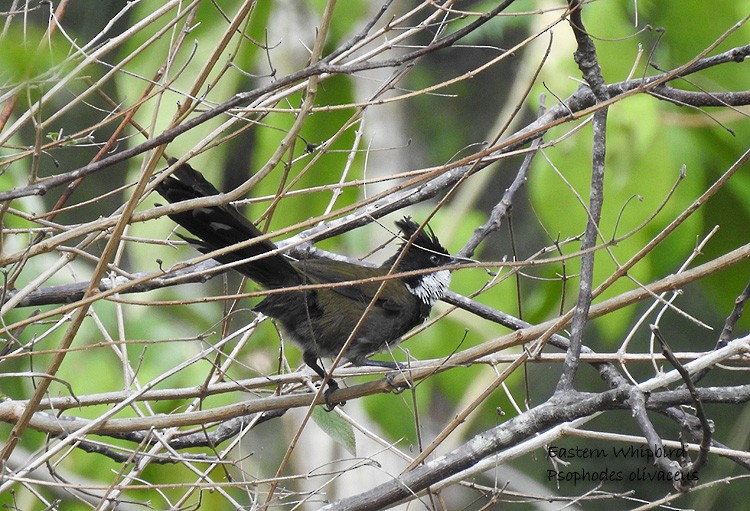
(434, 259)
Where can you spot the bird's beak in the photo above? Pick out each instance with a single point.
(456, 259)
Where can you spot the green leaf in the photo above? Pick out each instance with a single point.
(337, 428)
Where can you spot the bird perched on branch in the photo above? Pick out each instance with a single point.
(369, 306)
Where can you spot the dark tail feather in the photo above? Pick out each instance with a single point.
(223, 226)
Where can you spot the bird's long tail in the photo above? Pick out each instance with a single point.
(218, 227)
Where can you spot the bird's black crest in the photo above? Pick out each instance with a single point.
(425, 240)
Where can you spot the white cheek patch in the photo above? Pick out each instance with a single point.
(431, 287)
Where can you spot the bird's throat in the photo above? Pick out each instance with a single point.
(431, 287)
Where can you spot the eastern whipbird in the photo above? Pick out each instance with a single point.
(320, 320)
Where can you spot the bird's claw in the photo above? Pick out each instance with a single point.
(332, 387)
(396, 388)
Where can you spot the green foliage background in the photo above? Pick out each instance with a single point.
(649, 142)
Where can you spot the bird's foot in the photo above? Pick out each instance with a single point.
(399, 369)
(330, 405)
(390, 378)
